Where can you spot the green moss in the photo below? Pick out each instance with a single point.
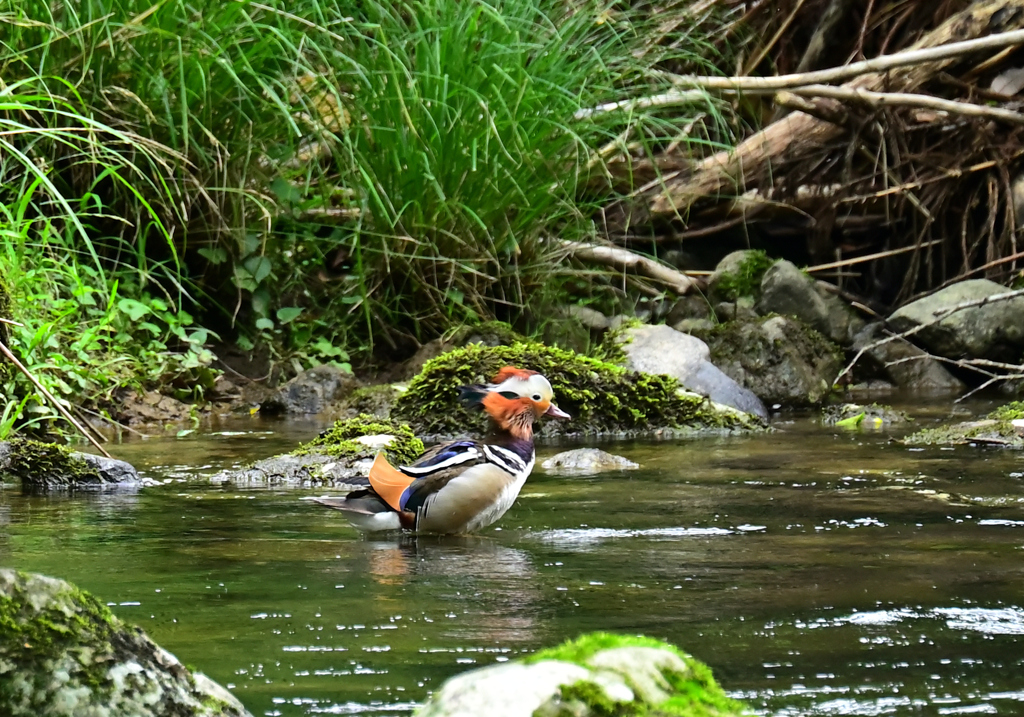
(339, 440)
(601, 397)
(695, 693)
(37, 463)
(1012, 411)
(71, 620)
(746, 280)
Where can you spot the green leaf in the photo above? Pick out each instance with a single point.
(851, 422)
(214, 255)
(287, 314)
(135, 309)
(259, 267)
(264, 324)
(286, 193)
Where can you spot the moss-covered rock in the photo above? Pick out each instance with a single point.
(739, 274)
(603, 399)
(1003, 427)
(344, 451)
(62, 652)
(47, 465)
(597, 675)
(778, 358)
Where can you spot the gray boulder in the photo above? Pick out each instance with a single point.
(992, 331)
(586, 461)
(663, 350)
(312, 391)
(585, 678)
(62, 652)
(788, 291)
(781, 360)
(904, 364)
(47, 465)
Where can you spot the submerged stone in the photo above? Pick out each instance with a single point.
(62, 652)
(855, 415)
(586, 461)
(603, 399)
(597, 675)
(344, 451)
(48, 465)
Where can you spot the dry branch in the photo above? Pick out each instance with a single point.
(798, 133)
(906, 99)
(625, 260)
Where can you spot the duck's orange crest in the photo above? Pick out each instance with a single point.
(512, 372)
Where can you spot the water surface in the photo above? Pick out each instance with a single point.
(816, 571)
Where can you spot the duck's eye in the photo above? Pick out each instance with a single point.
(536, 397)
(509, 395)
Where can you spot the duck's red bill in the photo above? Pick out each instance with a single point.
(556, 412)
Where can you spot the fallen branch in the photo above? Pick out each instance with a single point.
(871, 257)
(49, 396)
(791, 137)
(623, 260)
(937, 317)
(881, 63)
(906, 99)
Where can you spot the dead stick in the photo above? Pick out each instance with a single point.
(937, 317)
(871, 257)
(56, 404)
(906, 99)
(622, 259)
(855, 69)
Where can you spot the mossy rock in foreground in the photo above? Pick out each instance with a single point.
(40, 465)
(596, 675)
(62, 652)
(602, 398)
(342, 452)
(996, 429)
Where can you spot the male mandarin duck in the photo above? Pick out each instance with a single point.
(465, 485)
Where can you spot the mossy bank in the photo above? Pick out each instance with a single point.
(1002, 427)
(603, 399)
(597, 675)
(62, 652)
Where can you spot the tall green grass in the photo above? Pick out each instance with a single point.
(468, 152)
(320, 174)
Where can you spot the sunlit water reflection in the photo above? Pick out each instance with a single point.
(817, 572)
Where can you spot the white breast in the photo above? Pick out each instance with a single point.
(504, 501)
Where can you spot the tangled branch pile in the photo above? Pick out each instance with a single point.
(908, 172)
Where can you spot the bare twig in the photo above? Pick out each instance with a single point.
(49, 396)
(623, 259)
(936, 318)
(906, 99)
(871, 257)
(10, 323)
(854, 69)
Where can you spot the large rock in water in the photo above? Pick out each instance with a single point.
(778, 358)
(663, 350)
(602, 398)
(993, 331)
(47, 465)
(63, 653)
(586, 461)
(788, 291)
(595, 676)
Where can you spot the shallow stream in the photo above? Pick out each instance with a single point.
(818, 572)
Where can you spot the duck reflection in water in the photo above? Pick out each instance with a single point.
(494, 582)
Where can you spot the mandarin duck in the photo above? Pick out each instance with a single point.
(464, 485)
